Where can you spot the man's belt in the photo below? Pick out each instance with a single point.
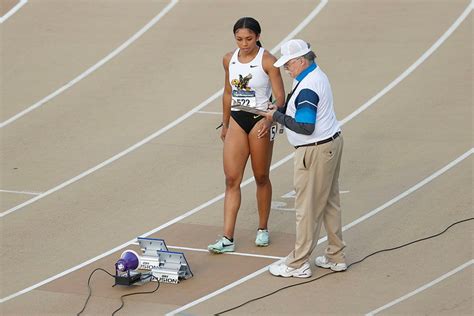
(324, 141)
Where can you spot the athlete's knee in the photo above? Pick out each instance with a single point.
(262, 179)
(232, 181)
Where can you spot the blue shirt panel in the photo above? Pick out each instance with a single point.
(306, 106)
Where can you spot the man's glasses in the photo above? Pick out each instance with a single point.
(289, 62)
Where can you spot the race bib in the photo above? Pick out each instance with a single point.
(273, 132)
(245, 98)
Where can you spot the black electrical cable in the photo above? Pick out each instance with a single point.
(121, 297)
(137, 293)
(356, 262)
(90, 289)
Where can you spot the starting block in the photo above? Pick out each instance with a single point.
(166, 266)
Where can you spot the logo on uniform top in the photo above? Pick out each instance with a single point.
(243, 94)
(242, 83)
(253, 66)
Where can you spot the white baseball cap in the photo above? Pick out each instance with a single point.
(292, 49)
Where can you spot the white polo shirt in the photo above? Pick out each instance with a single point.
(314, 79)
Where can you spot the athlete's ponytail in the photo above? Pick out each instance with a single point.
(248, 23)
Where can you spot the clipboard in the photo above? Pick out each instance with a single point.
(249, 109)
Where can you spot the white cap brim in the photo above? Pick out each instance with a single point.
(285, 58)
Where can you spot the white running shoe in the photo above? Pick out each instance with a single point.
(323, 262)
(221, 245)
(263, 238)
(285, 271)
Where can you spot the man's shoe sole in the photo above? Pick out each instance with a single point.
(295, 276)
(328, 266)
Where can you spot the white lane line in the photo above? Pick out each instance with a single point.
(169, 223)
(391, 85)
(177, 219)
(302, 25)
(20, 192)
(409, 191)
(149, 138)
(219, 291)
(289, 195)
(13, 10)
(322, 239)
(243, 254)
(100, 63)
(280, 206)
(209, 112)
(415, 65)
(292, 34)
(404, 194)
(345, 120)
(422, 288)
(292, 194)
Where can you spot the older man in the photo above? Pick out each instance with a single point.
(312, 128)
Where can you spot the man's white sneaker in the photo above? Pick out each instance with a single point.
(285, 271)
(324, 262)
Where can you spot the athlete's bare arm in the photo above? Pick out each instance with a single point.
(226, 97)
(278, 89)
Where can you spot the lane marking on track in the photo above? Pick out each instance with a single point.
(366, 105)
(313, 13)
(415, 65)
(209, 112)
(289, 195)
(157, 133)
(21, 192)
(189, 213)
(99, 64)
(321, 240)
(13, 10)
(292, 194)
(280, 205)
(242, 254)
(422, 288)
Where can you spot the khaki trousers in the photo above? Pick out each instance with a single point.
(316, 173)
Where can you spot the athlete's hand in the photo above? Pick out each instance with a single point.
(224, 132)
(263, 127)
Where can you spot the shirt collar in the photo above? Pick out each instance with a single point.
(305, 72)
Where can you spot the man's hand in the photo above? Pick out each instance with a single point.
(272, 108)
(267, 121)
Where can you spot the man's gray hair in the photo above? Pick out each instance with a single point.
(311, 56)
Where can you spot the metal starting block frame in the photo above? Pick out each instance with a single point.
(172, 266)
(149, 246)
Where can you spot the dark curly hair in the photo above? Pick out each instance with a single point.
(248, 23)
